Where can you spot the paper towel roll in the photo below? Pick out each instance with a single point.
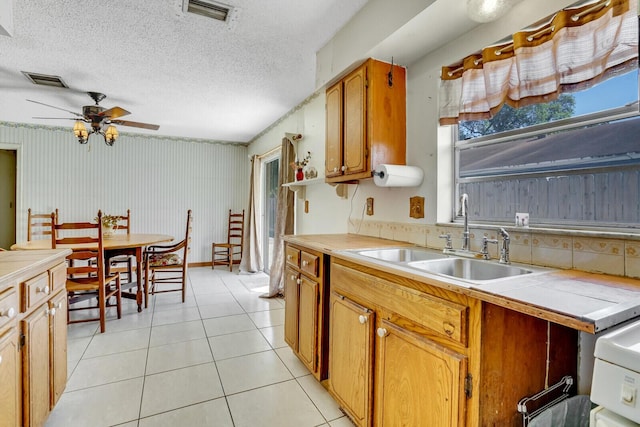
(397, 176)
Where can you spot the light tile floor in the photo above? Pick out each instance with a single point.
(219, 360)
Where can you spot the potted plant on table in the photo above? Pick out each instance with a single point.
(109, 223)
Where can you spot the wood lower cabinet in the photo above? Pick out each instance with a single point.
(10, 378)
(58, 345)
(365, 121)
(418, 382)
(406, 353)
(305, 307)
(351, 356)
(35, 367)
(33, 335)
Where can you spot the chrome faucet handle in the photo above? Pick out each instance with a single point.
(448, 244)
(485, 247)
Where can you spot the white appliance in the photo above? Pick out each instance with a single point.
(616, 378)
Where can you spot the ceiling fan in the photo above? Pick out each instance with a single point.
(97, 116)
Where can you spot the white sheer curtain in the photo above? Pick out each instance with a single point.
(251, 261)
(573, 49)
(284, 220)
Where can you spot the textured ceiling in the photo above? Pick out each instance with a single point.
(193, 76)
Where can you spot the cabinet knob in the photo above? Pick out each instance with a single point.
(362, 319)
(289, 257)
(10, 313)
(44, 290)
(343, 168)
(305, 263)
(382, 332)
(293, 277)
(52, 312)
(59, 305)
(298, 281)
(335, 169)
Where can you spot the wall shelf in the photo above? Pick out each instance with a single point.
(300, 186)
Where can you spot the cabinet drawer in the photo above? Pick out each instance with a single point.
(445, 317)
(35, 290)
(309, 263)
(8, 306)
(293, 256)
(58, 276)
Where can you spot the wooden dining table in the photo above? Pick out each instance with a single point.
(118, 244)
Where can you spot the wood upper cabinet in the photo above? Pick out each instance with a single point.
(305, 307)
(418, 382)
(365, 121)
(351, 357)
(10, 389)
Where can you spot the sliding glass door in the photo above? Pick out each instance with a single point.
(270, 170)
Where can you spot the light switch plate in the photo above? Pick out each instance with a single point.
(416, 207)
(369, 206)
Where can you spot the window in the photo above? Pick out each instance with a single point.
(572, 161)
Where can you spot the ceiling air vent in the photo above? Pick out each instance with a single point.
(210, 9)
(45, 79)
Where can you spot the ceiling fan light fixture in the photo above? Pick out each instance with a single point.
(80, 131)
(110, 135)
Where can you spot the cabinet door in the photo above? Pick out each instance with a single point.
(9, 380)
(351, 356)
(308, 323)
(58, 351)
(291, 286)
(333, 147)
(355, 121)
(35, 366)
(418, 382)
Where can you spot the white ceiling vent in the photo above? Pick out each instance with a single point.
(45, 79)
(208, 8)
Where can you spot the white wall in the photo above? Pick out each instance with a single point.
(157, 178)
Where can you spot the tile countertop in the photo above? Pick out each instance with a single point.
(584, 301)
(14, 264)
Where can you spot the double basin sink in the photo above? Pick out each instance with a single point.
(425, 260)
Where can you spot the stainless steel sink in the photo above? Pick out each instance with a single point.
(402, 255)
(468, 269)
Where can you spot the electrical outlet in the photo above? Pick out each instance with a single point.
(416, 207)
(369, 206)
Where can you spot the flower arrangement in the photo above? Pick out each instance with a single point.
(108, 220)
(299, 164)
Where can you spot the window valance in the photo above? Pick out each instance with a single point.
(575, 48)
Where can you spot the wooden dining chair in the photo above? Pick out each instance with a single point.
(121, 261)
(39, 226)
(86, 278)
(230, 252)
(167, 264)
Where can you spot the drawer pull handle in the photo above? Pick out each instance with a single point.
(449, 328)
(10, 313)
(298, 281)
(44, 290)
(305, 263)
(382, 332)
(293, 277)
(59, 305)
(52, 312)
(362, 319)
(289, 257)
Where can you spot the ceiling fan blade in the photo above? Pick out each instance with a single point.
(55, 118)
(57, 108)
(114, 112)
(135, 124)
